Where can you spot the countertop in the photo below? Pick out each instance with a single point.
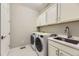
(76, 46)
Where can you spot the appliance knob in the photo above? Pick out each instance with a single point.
(41, 36)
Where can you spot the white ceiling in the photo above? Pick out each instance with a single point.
(36, 6)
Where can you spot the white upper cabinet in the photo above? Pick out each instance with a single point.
(68, 12)
(38, 22)
(41, 19)
(49, 16)
(58, 13)
(52, 14)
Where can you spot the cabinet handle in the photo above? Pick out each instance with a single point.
(61, 54)
(57, 52)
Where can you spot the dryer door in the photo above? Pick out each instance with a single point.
(38, 44)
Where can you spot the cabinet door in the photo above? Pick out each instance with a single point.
(52, 51)
(41, 19)
(38, 23)
(69, 12)
(62, 53)
(52, 14)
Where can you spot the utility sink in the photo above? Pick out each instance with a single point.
(67, 40)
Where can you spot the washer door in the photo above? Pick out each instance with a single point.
(38, 44)
(32, 39)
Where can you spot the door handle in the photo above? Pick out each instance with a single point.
(2, 37)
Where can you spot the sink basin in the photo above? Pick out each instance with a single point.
(67, 40)
(72, 41)
(58, 38)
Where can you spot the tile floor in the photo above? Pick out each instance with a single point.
(28, 51)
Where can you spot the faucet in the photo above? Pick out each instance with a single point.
(67, 31)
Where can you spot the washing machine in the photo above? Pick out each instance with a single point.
(41, 44)
(32, 40)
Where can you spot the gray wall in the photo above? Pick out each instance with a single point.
(59, 28)
(23, 22)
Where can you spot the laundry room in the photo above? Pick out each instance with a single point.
(39, 29)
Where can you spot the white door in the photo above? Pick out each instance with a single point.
(5, 29)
